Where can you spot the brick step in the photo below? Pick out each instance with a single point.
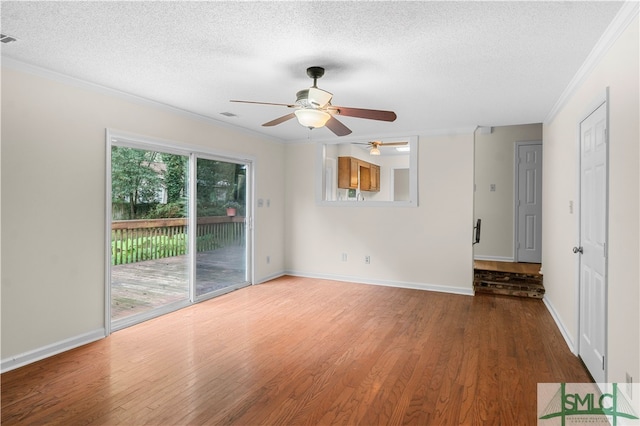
(531, 293)
(507, 277)
(505, 283)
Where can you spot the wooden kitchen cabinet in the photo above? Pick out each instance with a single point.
(354, 173)
(348, 172)
(374, 178)
(365, 177)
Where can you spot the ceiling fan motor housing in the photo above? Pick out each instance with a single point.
(302, 98)
(313, 98)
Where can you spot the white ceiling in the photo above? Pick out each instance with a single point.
(438, 65)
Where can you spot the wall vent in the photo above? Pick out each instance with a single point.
(7, 38)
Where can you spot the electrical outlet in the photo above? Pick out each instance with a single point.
(268, 260)
(344, 257)
(367, 259)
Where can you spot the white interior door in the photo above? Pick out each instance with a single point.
(529, 202)
(593, 238)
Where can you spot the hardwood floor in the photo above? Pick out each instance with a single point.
(307, 351)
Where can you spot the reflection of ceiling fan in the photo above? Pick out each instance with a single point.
(375, 145)
(314, 109)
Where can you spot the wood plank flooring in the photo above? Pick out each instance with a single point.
(515, 267)
(307, 351)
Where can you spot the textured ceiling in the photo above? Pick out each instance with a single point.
(438, 65)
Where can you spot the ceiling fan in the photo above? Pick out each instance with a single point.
(314, 109)
(375, 145)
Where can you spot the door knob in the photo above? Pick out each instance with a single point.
(578, 250)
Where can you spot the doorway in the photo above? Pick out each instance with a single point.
(495, 154)
(400, 184)
(176, 228)
(498, 184)
(592, 245)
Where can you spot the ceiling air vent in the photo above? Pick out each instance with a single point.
(6, 38)
(228, 114)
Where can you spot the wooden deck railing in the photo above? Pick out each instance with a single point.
(138, 240)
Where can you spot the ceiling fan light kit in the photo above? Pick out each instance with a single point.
(374, 151)
(314, 109)
(312, 118)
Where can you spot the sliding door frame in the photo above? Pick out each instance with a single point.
(120, 138)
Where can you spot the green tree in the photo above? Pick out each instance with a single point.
(175, 177)
(217, 183)
(136, 177)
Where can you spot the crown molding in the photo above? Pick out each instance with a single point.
(625, 16)
(17, 65)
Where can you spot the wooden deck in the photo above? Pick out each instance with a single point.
(141, 286)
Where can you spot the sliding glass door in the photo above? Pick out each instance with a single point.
(177, 229)
(149, 232)
(221, 206)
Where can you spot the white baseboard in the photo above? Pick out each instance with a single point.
(34, 355)
(561, 327)
(399, 284)
(494, 258)
(270, 277)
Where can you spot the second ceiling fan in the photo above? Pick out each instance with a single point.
(314, 109)
(374, 146)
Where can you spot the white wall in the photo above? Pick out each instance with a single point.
(619, 71)
(494, 164)
(53, 201)
(424, 247)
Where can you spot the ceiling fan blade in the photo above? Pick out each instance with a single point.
(392, 143)
(263, 103)
(371, 114)
(337, 127)
(279, 120)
